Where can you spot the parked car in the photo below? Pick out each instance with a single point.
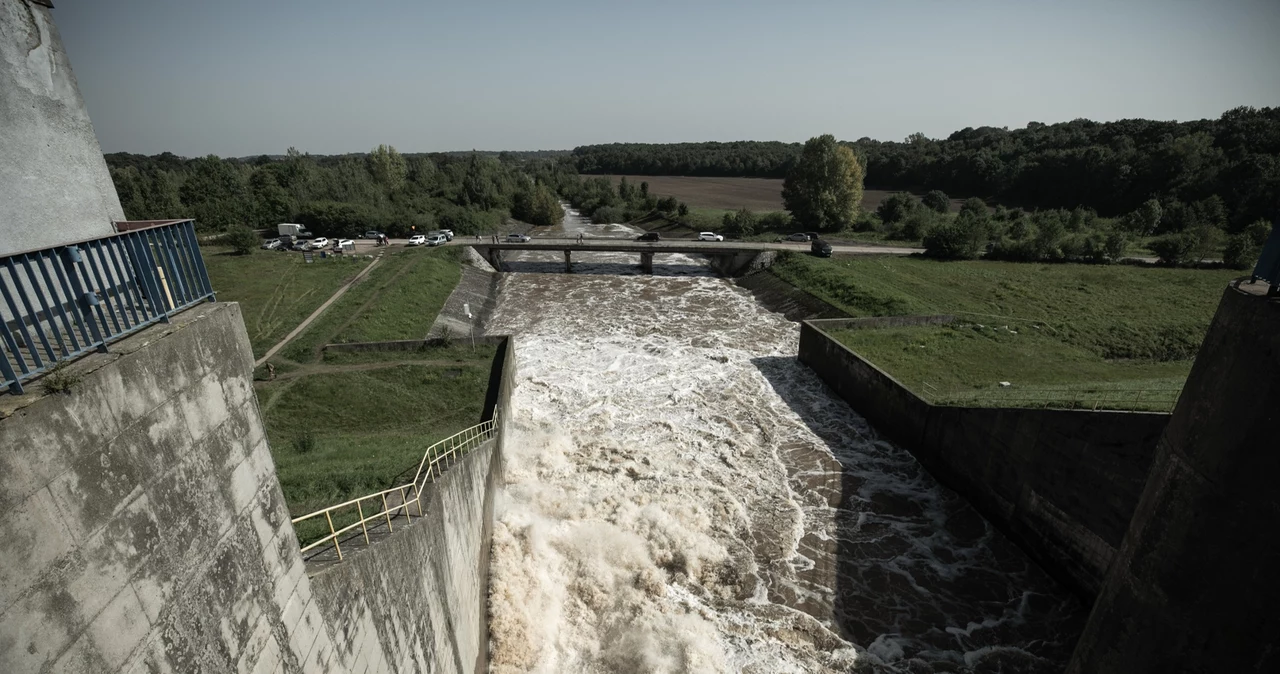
(649, 236)
(371, 234)
(417, 240)
(318, 243)
(820, 248)
(448, 234)
(302, 244)
(799, 236)
(517, 238)
(345, 244)
(709, 236)
(271, 244)
(437, 240)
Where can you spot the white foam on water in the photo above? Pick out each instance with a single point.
(682, 496)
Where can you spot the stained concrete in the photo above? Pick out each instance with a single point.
(55, 182)
(1194, 586)
(1061, 483)
(144, 530)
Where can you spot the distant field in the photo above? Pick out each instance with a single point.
(1056, 330)
(756, 194)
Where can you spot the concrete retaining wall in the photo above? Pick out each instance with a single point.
(1194, 586)
(781, 297)
(55, 183)
(142, 529)
(1062, 483)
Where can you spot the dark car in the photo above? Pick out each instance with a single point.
(649, 236)
(820, 248)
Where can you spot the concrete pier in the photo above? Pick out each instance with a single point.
(1193, 587)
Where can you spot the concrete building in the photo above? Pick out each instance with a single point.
(55, 184)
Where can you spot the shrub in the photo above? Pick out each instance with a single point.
(1174, 249)
(937, 200)
(776, 221)
(740, 223)
(960, 239)
(897, 207)
(974, 206)
(1240, 253)
(242, 239)
(915, 227)
(608, 214)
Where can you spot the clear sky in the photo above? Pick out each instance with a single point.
(246, 77)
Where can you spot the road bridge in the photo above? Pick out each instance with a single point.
(729, 257)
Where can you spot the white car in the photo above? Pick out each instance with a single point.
(517, 238)
(448, 234)
(344, 244)
(417, 240)
(317, 244)
(709, 236)
(271, 244)
(437, 240)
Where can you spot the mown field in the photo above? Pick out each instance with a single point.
(756, 194)
(343, 425)
(1062, 334)
(276, 291)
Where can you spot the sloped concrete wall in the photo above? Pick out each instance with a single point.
(142, 528)
(1062, 483)
(55, 183)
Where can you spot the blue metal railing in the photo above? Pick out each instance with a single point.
(60, 303)
(1268, 268)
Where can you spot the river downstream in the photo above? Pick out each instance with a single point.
(683, 496)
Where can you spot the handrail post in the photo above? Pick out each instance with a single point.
(404, 505)
(364, 527)
(333, 534)
(386, 512)
(417, 496)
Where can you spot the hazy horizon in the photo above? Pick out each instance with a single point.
(242, 79)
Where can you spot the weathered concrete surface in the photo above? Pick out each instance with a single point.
(143, 526)
(1194, 586)
(1061, 483)
(781, 297)
(416, 600)
(55, 184)
(477, 290)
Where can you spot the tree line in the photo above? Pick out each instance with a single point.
(1112, 167)
(345, 195)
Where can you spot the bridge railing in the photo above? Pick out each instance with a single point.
(59, 303)
(332, 523)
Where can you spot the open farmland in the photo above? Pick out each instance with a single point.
(756, 194)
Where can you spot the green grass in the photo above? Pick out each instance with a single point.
(1079, 328)
(276, 291)
(399, 299)
(368, 426)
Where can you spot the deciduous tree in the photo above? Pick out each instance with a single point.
(824, 189)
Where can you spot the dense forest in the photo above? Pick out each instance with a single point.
(347, 194)
(1111, 168)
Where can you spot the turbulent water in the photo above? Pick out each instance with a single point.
(683, 496)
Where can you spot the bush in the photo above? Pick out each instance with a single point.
(1174, 249)
(242, 239)
(303, 444)
(774, 221)
(741, 223)
(897, 207)
(1239, 253)
(975, 207)
(960, 239)
(608, 215)
(915, 227)
(937, 201)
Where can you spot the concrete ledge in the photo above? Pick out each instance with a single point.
(1063, 484)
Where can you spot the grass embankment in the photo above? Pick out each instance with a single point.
(344, 425)
(1063, 334)
(276, 291)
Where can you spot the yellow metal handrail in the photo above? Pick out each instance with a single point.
(434, 462)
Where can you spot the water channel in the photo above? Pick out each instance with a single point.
(684, 496)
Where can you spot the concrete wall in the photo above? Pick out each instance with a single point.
(142, 529)
(55, 183)
(781, 297)
(1062, 483)
(1194, 586)
(417, 601)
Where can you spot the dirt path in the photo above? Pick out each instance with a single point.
(314, 315)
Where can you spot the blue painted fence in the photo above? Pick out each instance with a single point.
(60, 303)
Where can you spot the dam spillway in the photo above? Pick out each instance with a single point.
(682, 495)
